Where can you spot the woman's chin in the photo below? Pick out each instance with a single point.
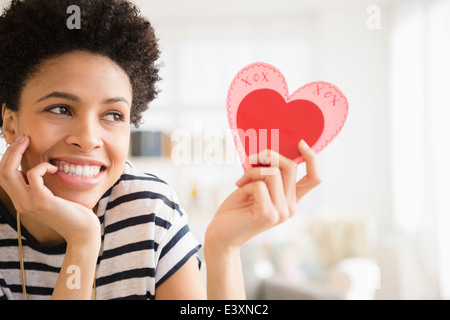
(88, 199)
(87, 196)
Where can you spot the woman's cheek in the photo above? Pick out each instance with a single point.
(39, 146)
(118, 145)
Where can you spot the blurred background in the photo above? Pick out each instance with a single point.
(378, 225)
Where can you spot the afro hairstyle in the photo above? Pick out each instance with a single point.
(34, 31)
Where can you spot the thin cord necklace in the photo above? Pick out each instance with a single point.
(22, 268)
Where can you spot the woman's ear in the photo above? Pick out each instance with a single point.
(9, 124)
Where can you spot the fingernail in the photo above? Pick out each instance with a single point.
(19, 138)
(303, 144)
(23, 139)
(253, 159)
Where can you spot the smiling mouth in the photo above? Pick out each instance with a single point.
(78, 170)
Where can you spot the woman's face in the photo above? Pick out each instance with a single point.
(76, 112)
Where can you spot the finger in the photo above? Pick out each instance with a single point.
(310, 159)
(271, 176)
(10, 163)
(264, 212)
(35, 176)
(13, 154)
(312, 177)
(288, 169)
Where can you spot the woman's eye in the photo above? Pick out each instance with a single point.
(114, 117)
(59, 110)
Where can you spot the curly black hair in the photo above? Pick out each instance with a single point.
(34, 31)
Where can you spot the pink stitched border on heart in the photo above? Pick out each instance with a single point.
(326, 96)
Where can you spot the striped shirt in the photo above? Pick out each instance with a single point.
(145, 240)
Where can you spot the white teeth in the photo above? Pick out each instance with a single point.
(86, 171)
(78, 170)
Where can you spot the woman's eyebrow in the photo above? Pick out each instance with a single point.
(57, 94)
(116, 99)
(73, 97)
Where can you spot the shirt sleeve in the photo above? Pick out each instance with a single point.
(177, 245)
(3, 296)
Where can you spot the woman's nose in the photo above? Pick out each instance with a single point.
(85, 135)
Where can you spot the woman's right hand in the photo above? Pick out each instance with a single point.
(74, 222)
(78, 225)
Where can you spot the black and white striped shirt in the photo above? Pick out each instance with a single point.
(145, 239)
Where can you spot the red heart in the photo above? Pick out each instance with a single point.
(266, 109)
(259, 102)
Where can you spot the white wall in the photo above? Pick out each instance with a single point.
(356, 165)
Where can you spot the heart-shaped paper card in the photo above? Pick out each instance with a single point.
(263, 115)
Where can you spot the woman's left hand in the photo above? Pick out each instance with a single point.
(266, 197)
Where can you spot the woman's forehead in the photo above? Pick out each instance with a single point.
(81, 73)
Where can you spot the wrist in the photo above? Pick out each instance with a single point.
(83, 251)
(217, 250)
(86, 235)
(219, 239)
(89, 241)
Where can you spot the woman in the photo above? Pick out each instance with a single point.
(77, 219)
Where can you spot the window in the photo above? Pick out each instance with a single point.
(420, 131)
